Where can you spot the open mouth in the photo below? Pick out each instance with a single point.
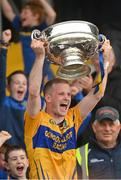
(64, 106)
(20, 169)
(23, 19)
(20, 93)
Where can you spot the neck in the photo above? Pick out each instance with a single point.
(57, 118)
(35, 24)
(18, 178)
(58, 121)
(107, 145)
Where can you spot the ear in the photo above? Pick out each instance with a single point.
(7, 166)
(27, 162)
(8, 86)
(94, 127)
(48, 98)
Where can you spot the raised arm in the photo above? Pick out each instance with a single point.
(90, 101)
(7, 10)
(6, 36)
(35, 78)
(50, 13)
(4, 136)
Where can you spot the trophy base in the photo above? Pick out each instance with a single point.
(73, 71)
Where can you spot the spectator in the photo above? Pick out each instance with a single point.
(12, 107)
(50, 136)
(35, 14)
(104, 149)
(4, 136)
(16, 162)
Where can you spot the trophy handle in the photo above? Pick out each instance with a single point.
(37, 34)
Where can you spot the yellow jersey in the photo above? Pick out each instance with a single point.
(50, 147)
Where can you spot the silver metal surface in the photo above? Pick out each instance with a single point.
(70, 45)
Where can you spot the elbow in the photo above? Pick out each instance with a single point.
(54, 15)
(51, 18)
(99, 96)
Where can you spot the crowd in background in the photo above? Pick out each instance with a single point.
(50, 128)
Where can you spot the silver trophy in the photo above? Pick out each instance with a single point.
(71, 45)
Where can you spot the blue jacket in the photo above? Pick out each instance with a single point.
(95, 162)
(11, 111)
(104, 163)
(3, 174)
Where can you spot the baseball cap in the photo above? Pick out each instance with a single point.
(106, 112)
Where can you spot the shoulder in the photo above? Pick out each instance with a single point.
(16, 23)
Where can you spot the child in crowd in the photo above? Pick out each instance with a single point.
(16, 162)
(4, 136)
(35, 14)
(12, 107)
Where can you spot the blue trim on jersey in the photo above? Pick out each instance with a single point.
(37, 169)
(42, 171)
(56, 142)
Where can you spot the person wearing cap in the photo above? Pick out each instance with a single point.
(101, 157)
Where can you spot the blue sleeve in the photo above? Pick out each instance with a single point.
(43, 26)
(3, 53)
(76, 99)
(16, 23)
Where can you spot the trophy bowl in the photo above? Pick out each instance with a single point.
(70, 45)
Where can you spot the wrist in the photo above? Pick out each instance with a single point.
(4, 44)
